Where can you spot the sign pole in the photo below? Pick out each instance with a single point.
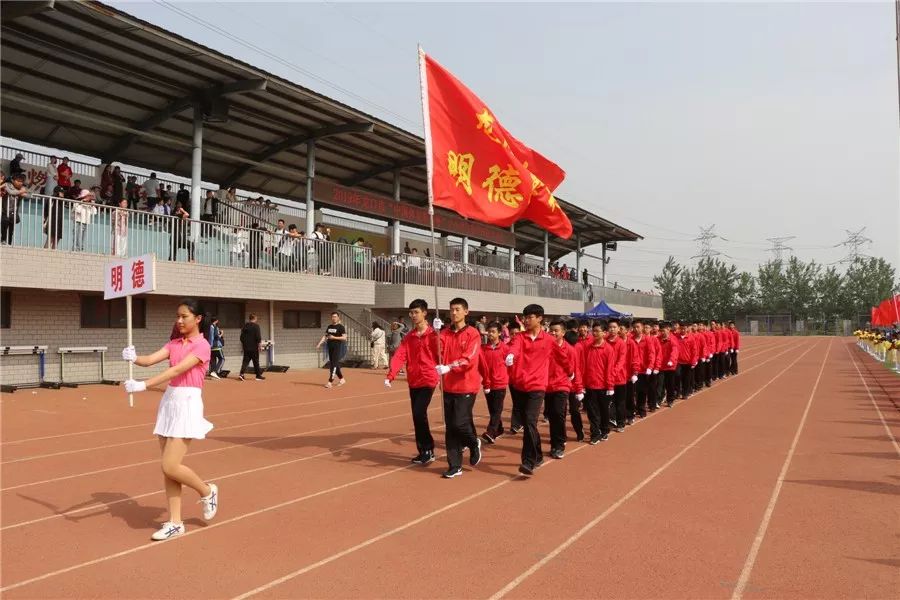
(130, 343)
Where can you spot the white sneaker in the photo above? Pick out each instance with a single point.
(342, 382)
(214, 375)
(328, 385)
(168, 531)
(210, 503)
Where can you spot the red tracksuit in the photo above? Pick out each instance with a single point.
(559, 383)
(562, 367)
(657, 352)
(419, 353)
(492, 366)
(598, 375)
(646, 353)
(459, 350)
(620, 354)
(529, 372)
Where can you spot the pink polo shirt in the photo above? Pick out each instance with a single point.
(178, 349)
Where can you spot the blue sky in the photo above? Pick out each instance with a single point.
(763, 119)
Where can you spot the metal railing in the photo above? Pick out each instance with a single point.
(76, 226)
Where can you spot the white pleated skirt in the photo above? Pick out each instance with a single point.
(180, 414)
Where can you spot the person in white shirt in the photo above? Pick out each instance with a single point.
(286, 259)
(51, 175)
(241, 239)
(83, 211)
(151, 187)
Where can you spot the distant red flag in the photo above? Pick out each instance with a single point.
(478, 169)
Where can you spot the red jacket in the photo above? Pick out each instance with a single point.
(620, 354)
(657, 363)
(668, 353)
(491, 366)
(530, 371)
(632, 357)
(736, 337)
(646, 353)
(597, 366)
(459, 351)
(562, 368)
(578, 382)
(685, 349)
(419, 353)
(711, 343)
(702, 344)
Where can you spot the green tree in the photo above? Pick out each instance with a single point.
(745, 294)
(667, 284)
(867, 282)
(800, 287)
(772, 288)
(831, 301)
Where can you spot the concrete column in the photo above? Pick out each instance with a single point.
(546, 252)
(395, 225)
(465, 249)
(310, 182)
(197, 168)
(272, 327)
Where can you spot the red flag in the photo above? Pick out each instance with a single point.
(478, 169)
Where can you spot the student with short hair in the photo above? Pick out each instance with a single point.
(559, 384)
(494, 379)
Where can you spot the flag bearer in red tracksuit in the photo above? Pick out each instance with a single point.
(460, 346)
(560, 380)
(494, 379)
(646, 352)
(653, 389)
(633, 370)
(529, 355)
(685, 356)
(710, 349)
(668, 361)
(620, 353)
(418, 351)
(735, 345)
(597, 374)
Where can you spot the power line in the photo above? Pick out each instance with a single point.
(778, 248)
(706, 237)
(855, 240)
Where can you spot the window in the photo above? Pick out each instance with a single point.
(97, 313)
(5, 309)
(231, 314)
(302, 319)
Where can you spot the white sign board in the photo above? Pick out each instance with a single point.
(129, 276)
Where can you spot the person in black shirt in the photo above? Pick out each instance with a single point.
(335, 337)
(251, 338)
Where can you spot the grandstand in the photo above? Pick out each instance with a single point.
(85, 78)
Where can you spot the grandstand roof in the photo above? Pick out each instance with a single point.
(97, 81)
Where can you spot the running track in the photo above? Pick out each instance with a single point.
(780, 483)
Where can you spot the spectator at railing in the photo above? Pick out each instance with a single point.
(359, 258)
(210, 209)
(240, 242)
(106, 186)
(118, 185)
(53, 217)
(14, 191)
(64, 174)
(15, 165)
(163, 207)
(183, 195)
(256, 244)
(151, 188)
(132, 192)
(181, 236)
(51, 176)
(120, 229)
(83, 212)
(74, 190)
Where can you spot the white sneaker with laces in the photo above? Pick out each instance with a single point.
(210, 503)
(214, 375)
(168, 531)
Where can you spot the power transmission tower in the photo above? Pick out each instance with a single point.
(855, 240)
(778, 248)
(706, 237)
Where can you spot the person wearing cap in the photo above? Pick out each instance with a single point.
(14, 191)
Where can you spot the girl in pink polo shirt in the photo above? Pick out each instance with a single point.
(180, 416)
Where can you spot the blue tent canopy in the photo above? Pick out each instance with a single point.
(601, 311)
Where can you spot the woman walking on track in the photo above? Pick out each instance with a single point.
(379, 344)
(180, 415)
(335, 337)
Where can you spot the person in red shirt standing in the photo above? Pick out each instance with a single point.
(64, 174)
(735, 345)
(653, 388)
(494, 379)
(418, 351)
(685, 355)
(710, 350)
(633, 369)
(669, 362)
(655, 333)
(621, 374)
(597, 374)
(530, 353)
(460, 346)
(576, 395)
(646, 352)
(697, 348)
(559, 384)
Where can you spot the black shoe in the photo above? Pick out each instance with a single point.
(629, 421)
(596, 440)
(579, 437)
(424, 458)
(516, 429)
(260, 378)
(241, 377)
(487, 438)
(619, 430)
(604, 437)
(613, 423)
(475, 453)
(557, 453)
(451, 473)
(526, 470)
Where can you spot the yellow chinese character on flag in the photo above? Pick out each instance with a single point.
(486, 124)
(460, 166)
(502, 186)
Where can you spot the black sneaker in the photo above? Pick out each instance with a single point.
(604, 437)
(241, 377)
(579, 437)
(451, 473)
(424, 458)
(260, 378)
(526, 470)
(475, 453)
(619, 430)
(516, 429)
(487, 438)
(629, 421)
(596, 440)
(557, 453)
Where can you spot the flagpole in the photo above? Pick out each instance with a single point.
(429, 165)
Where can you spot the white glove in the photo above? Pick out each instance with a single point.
(634, 379)
(437, 323)
(710, 355)
(649, 371)
(669, 363)
(735, 351)
(509, 360)
(486, 391)
(610, 392)
(579, 396)
(387, 383)
(133, 387)
(129, 354)
(442, 369)
(655, 372)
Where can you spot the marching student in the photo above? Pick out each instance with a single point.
(179, 418)
(494, 379)
(697, 344)
(653, 393)
(576, 395)
(735, 345)
(418, 352)
(703, 351)
(709, 348)
(460, 346)
(646, 353)
(633, 369)
(559, 384)
(620, 374)
(685, 356)
(669, 362)
(660, 378)
(597, 378)
(515, 329)
(529, 355)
